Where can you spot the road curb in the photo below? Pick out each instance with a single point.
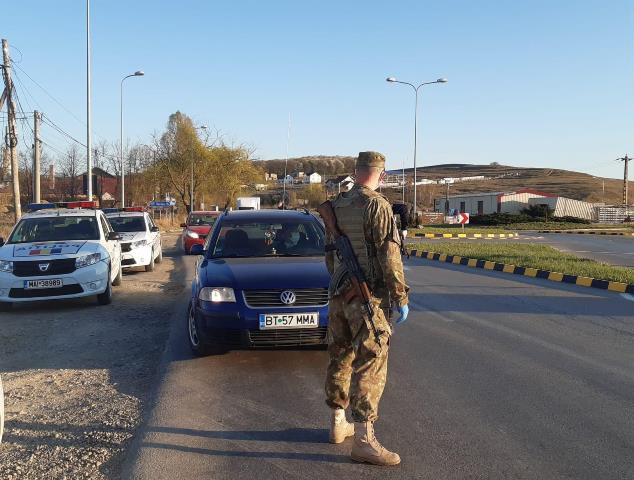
(467, 235)
(588, 232)
(525, 271)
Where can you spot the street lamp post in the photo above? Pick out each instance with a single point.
(138, 73)
(415, 88)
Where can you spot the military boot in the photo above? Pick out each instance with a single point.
(366, 448)
(340, 428)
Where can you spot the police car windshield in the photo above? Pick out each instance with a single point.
(201, 219)
(54, 229)
(255, 239)
(127, 224)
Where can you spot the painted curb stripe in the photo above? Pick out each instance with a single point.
(467, 235)
(526, 271)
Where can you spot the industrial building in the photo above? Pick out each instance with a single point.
(486, 203)
(567, 207)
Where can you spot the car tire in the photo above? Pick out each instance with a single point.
(150, 267)
(5, 306)
(159, 258)
(199, 345)
(105, 298)
(119, 278)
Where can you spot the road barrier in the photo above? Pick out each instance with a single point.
(525, 271)
(467, 235)
(589, 232)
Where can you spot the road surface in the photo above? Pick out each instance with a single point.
(494, 376)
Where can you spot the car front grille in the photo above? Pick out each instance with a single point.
(31, 268)
(45, 292)
(304, 297)
(126, 247)
(127, 261)
(288, 337)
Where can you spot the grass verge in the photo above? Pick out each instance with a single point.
(541, 257)
(454, 229)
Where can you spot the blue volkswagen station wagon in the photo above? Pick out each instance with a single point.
(261, 282)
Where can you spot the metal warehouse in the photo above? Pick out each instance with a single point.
(486, 203)
(567, 207)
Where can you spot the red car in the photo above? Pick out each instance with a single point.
(196, 229)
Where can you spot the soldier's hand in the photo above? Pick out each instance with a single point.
(403, 313)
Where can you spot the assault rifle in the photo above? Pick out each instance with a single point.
(343, 246)
(400, 209)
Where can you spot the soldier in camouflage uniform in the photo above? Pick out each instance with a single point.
(358, 363)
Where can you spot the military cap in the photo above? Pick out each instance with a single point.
(371, 159)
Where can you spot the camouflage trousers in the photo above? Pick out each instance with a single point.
(358, 364)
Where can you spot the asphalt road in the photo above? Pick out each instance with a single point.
(494, 376)
(617, 250)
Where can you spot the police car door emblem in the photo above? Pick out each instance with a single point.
(43, 267)
(287, 297)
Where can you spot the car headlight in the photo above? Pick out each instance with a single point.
(138, 243)
(87, 260)
(191, 234)
(6, 266)
(217, 294)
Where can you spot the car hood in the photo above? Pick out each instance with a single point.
(132, 236)
(48, 250)
(200, 229)
(266, 273)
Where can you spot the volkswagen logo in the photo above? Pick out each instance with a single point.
(43, 267)
(287, 297)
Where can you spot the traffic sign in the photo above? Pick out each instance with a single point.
(463, 218)
(167, 204)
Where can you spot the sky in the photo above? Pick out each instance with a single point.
(532, 83)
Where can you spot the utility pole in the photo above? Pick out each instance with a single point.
(37, 116)
(88, 106)
(11, 138)
(625, 161)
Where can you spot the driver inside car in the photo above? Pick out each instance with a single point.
(286, 239)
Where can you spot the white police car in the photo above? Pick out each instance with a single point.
(56, 253)
(140, 237)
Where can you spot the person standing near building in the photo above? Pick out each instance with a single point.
(357, 342)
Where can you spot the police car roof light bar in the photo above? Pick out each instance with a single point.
(34, 207)
(134, 209)
(79, 204)
(111, 210)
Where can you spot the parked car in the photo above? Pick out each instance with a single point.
(55, 253)
(261, 281)
(140, 237)
(196, 228)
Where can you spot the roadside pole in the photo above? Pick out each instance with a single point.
(36, 156)
(11, 138)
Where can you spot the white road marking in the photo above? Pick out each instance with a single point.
(628, 296)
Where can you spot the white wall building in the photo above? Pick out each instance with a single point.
(312, 178)
(493, 202)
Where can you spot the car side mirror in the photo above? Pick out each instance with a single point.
(183, 225)
(154, 229)
(197, 249)
(113, 236)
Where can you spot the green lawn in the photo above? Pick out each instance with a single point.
(530, 255)
(457, 229)
(513, 227)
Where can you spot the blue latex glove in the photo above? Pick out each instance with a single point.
(404, 312)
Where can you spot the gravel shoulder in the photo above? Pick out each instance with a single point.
(78, 376)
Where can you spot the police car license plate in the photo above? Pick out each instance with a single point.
(289, 320)
(50, 283)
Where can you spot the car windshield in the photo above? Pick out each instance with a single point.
(127, 224)
(53, 229)
(264, 239)
(201, 219)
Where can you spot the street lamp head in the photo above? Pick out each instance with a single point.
(203, 127)
(442, 80)
(139, 73)
(391, 79)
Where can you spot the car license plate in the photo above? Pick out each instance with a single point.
(50, 283)
(289, 320)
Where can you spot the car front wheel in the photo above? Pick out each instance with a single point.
(119, 278)
(150, 266)
(197, 342)
(105, 298)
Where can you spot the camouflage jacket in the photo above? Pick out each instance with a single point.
(377, 244)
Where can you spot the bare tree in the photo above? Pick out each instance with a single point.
(70, 168)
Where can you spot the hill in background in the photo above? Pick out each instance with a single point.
(567, 183)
